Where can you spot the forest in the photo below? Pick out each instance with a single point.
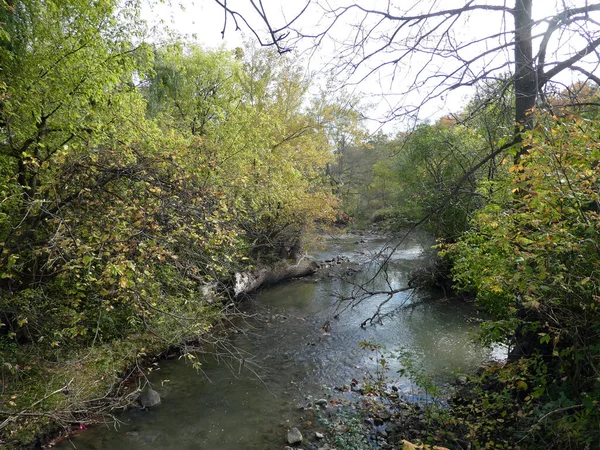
(137, 178)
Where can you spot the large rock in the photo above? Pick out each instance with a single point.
(149, 398)
(294, 436)
(209, 292)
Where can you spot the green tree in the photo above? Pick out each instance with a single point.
(538, 253)
(259, 144)
(62, 121)
(193, 90)
(418, 176)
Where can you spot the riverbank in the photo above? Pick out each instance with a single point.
(284, 353)
(48, 397)
(366, 416)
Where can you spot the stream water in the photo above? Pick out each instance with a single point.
(230, 405)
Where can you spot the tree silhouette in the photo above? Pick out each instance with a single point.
(434, 49)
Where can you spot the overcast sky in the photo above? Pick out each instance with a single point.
(202, 21)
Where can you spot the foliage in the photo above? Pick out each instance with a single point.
(352, 174)
(414, 176)
(260, 147)
(109, 210)
(132, 177)
(434, 172)
(95, 205)
(532, 259)
(375, 382)
(347, 430)
(431, 160)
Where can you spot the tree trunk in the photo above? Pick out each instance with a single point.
(247, 282)
(526, 88)
(525, 75)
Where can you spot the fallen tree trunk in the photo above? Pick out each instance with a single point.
(247, 282)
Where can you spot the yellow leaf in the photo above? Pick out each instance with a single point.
(521, 385)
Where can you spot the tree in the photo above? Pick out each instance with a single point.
(422, 45)
(110, 202)
(92, 202)
(259, 144)
(429, 161)
(193, 90)
(538, 252)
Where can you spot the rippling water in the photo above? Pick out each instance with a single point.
(250, 405)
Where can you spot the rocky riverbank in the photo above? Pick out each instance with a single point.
(353, 419)
(382, 416)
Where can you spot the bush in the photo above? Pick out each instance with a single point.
(532, 257)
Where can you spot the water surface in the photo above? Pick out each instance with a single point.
(236, 404)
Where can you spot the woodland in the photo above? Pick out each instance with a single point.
(137, 178)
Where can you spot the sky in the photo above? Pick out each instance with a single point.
(199, 20)
(202, 21)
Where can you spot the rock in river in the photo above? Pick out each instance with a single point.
(461, 380)
(149, 398)
(294, 436)
(322, 402)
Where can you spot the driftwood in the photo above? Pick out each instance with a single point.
(247, 282)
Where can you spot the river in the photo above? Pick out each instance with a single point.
(290, 356)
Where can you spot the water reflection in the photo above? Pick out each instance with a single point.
(243, 409)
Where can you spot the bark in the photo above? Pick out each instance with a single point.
(525, 74)
(248, 282)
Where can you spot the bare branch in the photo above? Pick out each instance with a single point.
(419, 48)
(15, 416)
(568, 63)
(591, 76)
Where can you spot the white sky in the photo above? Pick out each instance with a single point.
(202, 22)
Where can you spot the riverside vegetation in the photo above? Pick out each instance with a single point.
(520, 237)
(133, 176)
(136, 175)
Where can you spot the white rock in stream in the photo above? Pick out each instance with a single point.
(294, 436)
(322, 402)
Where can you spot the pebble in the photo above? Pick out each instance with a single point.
(294, 436)
(321, 402)
(356, 388)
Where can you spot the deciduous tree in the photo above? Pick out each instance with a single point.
(421, 51)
